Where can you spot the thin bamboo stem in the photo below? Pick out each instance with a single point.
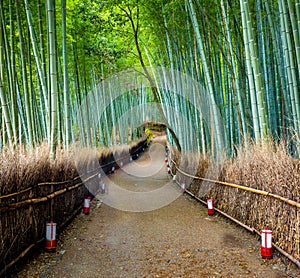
(15, 193)
(17, 205)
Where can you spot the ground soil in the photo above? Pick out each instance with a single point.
(176, 240)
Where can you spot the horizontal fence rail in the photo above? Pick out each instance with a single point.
(28, 217)
(243, 188)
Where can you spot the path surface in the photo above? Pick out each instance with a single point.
(177, 240)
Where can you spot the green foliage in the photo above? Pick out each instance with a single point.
(95, 30)
(244, 53)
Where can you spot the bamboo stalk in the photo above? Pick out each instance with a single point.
(3, 95)
(16, 193)
(27, 106)
(217, 129)
(66, 102)
(40, 69)
(53, 76)
(14, 206)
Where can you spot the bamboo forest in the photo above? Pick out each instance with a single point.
(203, 93)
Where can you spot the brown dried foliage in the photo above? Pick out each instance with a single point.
(267, 167)
(33, 170)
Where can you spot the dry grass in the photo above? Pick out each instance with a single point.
(22, 169)
(268, 167)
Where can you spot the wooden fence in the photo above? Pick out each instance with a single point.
(251, 208)
(24, 214)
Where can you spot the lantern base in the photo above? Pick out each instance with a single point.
(210, 211)
(86, 210)
(266, 253)
(50, 245)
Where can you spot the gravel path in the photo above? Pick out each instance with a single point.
(177, 240)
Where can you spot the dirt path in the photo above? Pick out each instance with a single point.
(177, 240)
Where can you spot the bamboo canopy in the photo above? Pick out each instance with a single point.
(77, 74)
(219, 74)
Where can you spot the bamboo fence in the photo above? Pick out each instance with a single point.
(252, 208)
(23, 214)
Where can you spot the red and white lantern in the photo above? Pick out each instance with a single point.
(266, 244)
(50, 236)
(168, 169)
(210, 206)
(103, 188)
(86, 205)
(166, 159)
(183, 187)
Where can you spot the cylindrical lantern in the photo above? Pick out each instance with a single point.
(266, 244)
(103, 188)
(86, 205)
(50, 236)
(174, 178)
(183, 187)
(210, 206)
(113, 169)
(169, 169)
(166, 159)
